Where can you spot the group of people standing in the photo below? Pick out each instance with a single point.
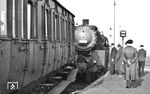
(128, 62)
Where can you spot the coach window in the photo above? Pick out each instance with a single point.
(43, 22)
(57, 27)
(2, 23)
(55, 30)
(22, 21)
(14, 34)
(30, 16)
(70, 31)
(49, 24)
(73, 32)
(46, 24)
(62, 35)
(66, 30)
(36, 25)
(53, 26)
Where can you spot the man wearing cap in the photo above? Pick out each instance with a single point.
(112, 58)
(141, 59)
(131, 66)
(118, 59)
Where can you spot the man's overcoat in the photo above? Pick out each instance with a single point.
(131, 63)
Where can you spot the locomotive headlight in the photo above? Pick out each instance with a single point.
(94, 61)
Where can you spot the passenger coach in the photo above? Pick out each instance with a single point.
(36, 38)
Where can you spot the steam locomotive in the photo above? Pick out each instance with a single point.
(92, 50)
(36, 38)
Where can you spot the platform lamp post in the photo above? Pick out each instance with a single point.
(122, 34)
(114, 20)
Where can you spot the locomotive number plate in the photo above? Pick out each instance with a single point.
(82, 41)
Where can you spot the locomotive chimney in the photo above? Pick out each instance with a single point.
(85, 21)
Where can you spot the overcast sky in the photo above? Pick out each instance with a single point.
(131, 15)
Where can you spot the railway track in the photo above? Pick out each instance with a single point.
(79, 84)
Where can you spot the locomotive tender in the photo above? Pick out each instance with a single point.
(36, 38)
(92, 49)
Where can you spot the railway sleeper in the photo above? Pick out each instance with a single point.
(53, 80)
(43, 88)
(64, 74)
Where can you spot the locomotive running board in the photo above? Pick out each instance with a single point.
(61, 86)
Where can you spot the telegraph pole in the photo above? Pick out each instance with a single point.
(114, 20)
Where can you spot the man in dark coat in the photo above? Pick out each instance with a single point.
(112, 59)
(118, 59)
(141, 59)
(131, 64)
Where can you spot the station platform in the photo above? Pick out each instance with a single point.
(113, 84)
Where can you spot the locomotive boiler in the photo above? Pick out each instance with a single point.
(92, 50)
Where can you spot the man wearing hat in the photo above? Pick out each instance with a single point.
(130, 61)
(118, 59)
(112, 58)
(141, 59)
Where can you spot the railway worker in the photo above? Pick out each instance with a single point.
(131, 64)
(118, 59)
(141, 59)
(112, 59)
